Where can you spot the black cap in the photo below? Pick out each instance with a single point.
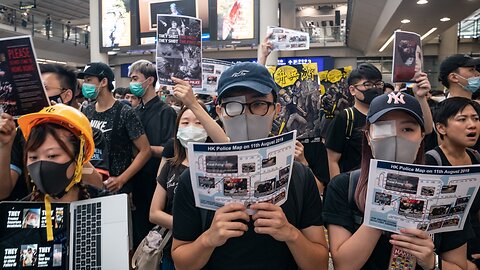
(394, 101)
(453, 62)
(99, 70)
(249, 75)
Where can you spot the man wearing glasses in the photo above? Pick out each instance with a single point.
(345, 133)
(290, 236)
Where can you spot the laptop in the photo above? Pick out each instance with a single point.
(88, 234)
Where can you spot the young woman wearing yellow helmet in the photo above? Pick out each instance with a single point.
(59, 142)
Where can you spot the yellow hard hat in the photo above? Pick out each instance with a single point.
(66, 116)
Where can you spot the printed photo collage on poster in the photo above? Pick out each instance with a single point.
(23, 238)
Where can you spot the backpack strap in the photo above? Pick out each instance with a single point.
(434, 153)
(475, 153)
(352, 186)
(350, 119)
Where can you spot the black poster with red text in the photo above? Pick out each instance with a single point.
(21, 88)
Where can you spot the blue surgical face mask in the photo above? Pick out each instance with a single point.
(89, 90)
(473, 83)
(137, 89)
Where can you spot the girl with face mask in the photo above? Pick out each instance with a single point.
(192, 125)
(59, 143)
(394, 132)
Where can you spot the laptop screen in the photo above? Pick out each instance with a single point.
(23, 236)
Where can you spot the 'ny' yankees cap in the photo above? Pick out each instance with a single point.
(394, 101)
(247, 75)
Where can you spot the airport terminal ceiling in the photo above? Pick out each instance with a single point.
(370, 22)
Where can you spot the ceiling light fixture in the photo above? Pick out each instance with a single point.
(428, 33)
(386, 43)
(422, 2)
(445, 19)
(405, 21)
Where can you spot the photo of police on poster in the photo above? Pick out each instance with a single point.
(335, 95)
(299, 97)
(179, 49)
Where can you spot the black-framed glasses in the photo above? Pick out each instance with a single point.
(62, 89)
(369, 84)
(235, 108)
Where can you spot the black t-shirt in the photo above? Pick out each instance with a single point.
(337, 211)
(168, 179)
(119, 136)
(158, 119)
(99, 159)
(316, 156)
(250, 251)
(337, 141)
(168, 149)
(16, 164)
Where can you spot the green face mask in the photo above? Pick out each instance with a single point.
(137, 89)
(89, 91)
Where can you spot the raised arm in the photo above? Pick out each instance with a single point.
(421, 89)
(8, 177)
(183, 91)
(264, 50)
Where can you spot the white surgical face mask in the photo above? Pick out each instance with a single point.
(191, 134)
(386, 145)
(246, 126)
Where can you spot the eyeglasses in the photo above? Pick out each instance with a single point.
(235, 108)
(369, 85)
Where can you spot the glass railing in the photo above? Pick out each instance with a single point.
(469, 29)
(326, 35)
(40, 26)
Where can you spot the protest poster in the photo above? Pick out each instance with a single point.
(335, 95)
(430, 198)
(21, 88)
(212, 69)
(284, 39)
(244, 172)
(179, 50)
(299, 98)
(407, 56)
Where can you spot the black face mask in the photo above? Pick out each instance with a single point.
(370, 94)
(57, 98)
(50, 177)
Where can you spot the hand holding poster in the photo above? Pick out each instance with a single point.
(407, 56)
(244, 172)
(179, 50)
(284, 39)
(430, 198)
(21, 88)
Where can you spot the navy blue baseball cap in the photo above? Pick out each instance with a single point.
(247, 75)
(395, 101)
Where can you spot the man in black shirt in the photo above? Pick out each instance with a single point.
(289, 236)
(118, 123)
(158, 119)
(344, 141)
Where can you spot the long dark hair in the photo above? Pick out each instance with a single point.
(180, 153)
(361, 190)
(37, 138)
